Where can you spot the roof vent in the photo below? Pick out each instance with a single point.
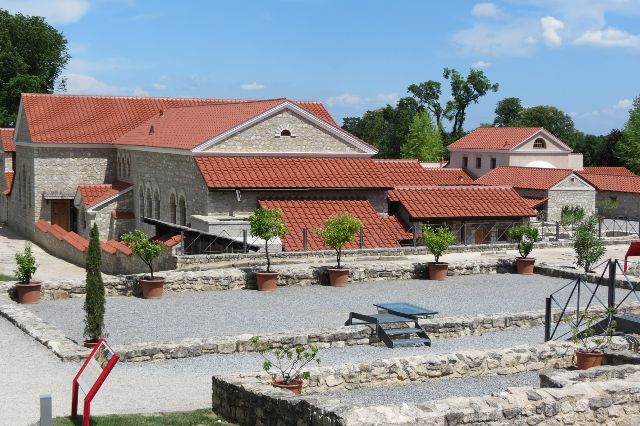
(161, 113)
(151, 130)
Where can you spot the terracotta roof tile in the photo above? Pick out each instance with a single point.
(121, 247)
(123, 214)
(523, 177)
(535, 202)
(613, 183)
(401, 173)
(6, 135)
(445, 202)
(93, 194)
(379, 231)
(613, 171)
(495, 138)
(168, 240)
(8, 181)
(103, 119)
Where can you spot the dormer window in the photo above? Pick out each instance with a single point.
(285, 132)
(539, 144)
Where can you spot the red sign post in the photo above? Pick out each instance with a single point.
(91, 376)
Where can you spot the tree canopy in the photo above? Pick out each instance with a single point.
(32, 56)
(628, 149)
(508, 111)
(423, 141)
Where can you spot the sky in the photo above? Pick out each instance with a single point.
(582, 56)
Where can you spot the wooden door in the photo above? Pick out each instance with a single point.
(482, 235)
(60, 213)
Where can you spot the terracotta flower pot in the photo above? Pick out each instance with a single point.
(267, 281)
(438, 271)
(152, 288)
(586, 360)
(29, 293)
(90, 343)
(524, 265)
(295, 386)
(338, 277)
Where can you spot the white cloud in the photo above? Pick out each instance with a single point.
(345, 99)
(252, 86)
(609, 37)
(550, 31)
(625, 104)
(137, 91)
(86, 84)
(516, 39)
(622, 106)
(159, 86)
(480, 64)
(348, 99)
(488, 10)
(55, 11)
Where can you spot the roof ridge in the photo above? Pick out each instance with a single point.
(232, 102)
(534, 168)
(179, 98)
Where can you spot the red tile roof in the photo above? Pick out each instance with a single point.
(103, 119)
(524, 177)
(123, 214)
(93, 194)
(613, 171)
(379, 231)
(495, 138)
(535, 202)
(6, 135)
(613, 183)
(76, 241)
(8, 181)
(168, 240)
(401, 173)
(443, 202)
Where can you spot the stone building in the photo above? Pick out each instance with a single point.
(617, 184)
(7, 164)
(487, 148)
(546, 190)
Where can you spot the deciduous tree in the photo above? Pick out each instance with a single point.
(628, 149)
(508, 111)
(423, 141)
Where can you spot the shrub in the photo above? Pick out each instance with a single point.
(525, 236)
(593, 338)
(588, 247)
(26, 264)
(571, 215)
(606, 206)
(288, 362)
(339, 230)
(267, 224)
(94, 302)
(437, 240)
(143, 247)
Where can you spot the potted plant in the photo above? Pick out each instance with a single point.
(337, 231)
(94, 302)
(588, 247)
(28, 290)
(593, 340)
(147, 250)
(525, 236)
(267, 224)
(437, 241)
(288, 363)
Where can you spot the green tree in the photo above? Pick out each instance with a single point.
(590, 146)
(552, 119)
(339, 230)
(423, 141)
(437, 240)
(428, 95)
(94, 302)
(588, 247)
(146, 249)
(267, 224)
(32, 56)
(508, 111)
(628, 149)
(607, 154)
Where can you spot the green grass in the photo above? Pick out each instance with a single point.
(4, 277)
(199, 417)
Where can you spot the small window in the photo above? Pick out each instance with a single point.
(285, 132)
(478, 162)
(493, 163)
(465, 162)
(539, 144)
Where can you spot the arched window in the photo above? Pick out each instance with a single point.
(156, 204)
(127, 171)
(539, 144)
(141, 202)
(285, 132)
(182, 211)
(148, 204)
(172, 208)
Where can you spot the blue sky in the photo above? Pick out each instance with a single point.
(582, 56)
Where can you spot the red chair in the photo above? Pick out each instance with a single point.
(633, 250)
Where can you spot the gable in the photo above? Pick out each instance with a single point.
(541, 143)
(265, 137)
(573, 182)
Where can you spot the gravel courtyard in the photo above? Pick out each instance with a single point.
(180, 315)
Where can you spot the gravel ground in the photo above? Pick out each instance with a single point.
(180, 315)
(436, 389)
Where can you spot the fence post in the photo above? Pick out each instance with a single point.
(464, 233)
(612, 284)
(543, 230)
(557, 231)
(361, 236)
(244, 241)
(305, 241)
(415, 236)
(547, 320)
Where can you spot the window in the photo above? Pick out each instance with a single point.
(285, 132)
(182, 210)
(172, 208)
(539, 144)
(465, 162)
(147, 204)
(141, 202)
(493, 163)
(478, 162)
(156, 204)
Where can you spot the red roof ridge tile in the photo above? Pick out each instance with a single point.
(169, 98)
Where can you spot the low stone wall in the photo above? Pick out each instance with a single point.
(563, 378)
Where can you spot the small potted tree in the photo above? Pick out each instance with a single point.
(525, 236)
(28, 291)
(337, 231)
(147, 250)
(594, 339)
(267, 224)
(588, 247)
(288, 363)
(437, 241)
(94, 302)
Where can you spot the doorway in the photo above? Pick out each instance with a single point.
(61, 213)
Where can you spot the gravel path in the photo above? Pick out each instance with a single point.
(436, 389)
(181, 315)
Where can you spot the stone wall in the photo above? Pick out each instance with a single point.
(559, 198)
(109, 227)
(628, 204)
